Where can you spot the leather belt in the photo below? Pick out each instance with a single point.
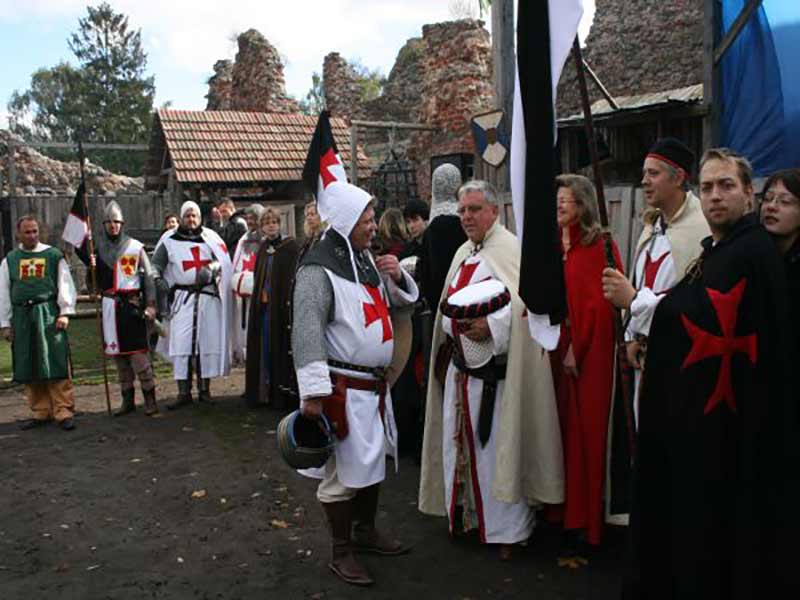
(491, 373)
(377, 385)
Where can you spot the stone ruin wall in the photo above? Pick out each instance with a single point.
(220, 86)
(637, 47)
(254, 82)
(441, 79)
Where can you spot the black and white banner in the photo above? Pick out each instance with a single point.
(76, 229)
(545, 33)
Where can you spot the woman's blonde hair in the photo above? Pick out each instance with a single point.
(308, 231)
(586, 201)
(269, 212)
(392, 227)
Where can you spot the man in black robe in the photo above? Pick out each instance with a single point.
(714, 483)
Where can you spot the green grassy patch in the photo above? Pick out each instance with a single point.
(87, 360)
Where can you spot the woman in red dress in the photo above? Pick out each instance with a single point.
(583, 363)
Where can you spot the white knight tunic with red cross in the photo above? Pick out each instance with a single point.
(471, 487)
(212, 338)
(360, 334)
(244, 264)
(127, 280)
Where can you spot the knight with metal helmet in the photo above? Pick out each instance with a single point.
(343, 343)
(193, 262)
(125, 280)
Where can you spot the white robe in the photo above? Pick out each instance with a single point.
(213, 313)
(244, 261)
(654, 275)
(359, 334)
(497, 522)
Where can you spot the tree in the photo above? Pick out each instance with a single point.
(371, 81)
(106, 99)
(314, 101)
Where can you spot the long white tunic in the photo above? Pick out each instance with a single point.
(497, 522)
(361, 333)
(655, 275)
(212, 341)
(244, 263)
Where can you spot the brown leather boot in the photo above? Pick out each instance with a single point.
(343, 562)
(150, 406)
(366, 537)
(128, 403)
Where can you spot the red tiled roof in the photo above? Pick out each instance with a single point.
(229, 146)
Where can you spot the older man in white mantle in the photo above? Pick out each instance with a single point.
(489, 471)
(342, 343)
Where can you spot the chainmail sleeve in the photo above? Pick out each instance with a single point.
(313, 310)
(160, 260)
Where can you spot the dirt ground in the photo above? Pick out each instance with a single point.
(198, 504)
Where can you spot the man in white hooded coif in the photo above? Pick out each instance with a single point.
(194, 263)
(342, 342)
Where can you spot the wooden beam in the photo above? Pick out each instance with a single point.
(503, 59)
(606, 94)
(353, 154)
(391, 125)
(735, 29)
(710, 75)
(69, 146)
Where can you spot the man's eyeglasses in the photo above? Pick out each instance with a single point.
(784, 200)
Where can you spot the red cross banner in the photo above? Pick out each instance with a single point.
(323, 163)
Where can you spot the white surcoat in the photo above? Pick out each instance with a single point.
(212, 340)
(360, 334)
(497, 522)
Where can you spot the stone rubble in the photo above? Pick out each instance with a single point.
(39, 174)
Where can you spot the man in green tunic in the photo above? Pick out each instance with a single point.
(36, 296)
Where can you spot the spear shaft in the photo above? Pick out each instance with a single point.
(93, 271)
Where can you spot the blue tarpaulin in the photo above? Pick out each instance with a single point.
(760, 85)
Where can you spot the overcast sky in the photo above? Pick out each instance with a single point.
(184, 38)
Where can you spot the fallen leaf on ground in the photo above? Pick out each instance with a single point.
(180, 560)
(92, 567)
(278, 524)
(255, 494)
(223, 501)
(199, 494)
(271, 432)
(64, 526)
(136, 460)
(186, 429)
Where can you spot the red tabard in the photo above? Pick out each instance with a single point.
(584, 402)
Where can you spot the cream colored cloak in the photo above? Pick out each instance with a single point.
(529, 464)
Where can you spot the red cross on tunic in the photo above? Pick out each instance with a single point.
(196, 263)
(249, 263)
(651, 268)
(464, 277)
(377, 310)
(706, 345)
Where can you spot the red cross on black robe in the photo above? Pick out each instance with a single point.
(715, 485)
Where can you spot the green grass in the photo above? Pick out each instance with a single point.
(87, 361)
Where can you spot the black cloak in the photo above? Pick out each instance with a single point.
(443, 236)
(274, 383)
(714, 481)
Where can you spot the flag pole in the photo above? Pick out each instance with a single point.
(93, 271)
(622, 359)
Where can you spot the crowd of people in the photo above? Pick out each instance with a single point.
(408, 336)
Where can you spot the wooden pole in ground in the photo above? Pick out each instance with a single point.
(93, 271)
(608, 242)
